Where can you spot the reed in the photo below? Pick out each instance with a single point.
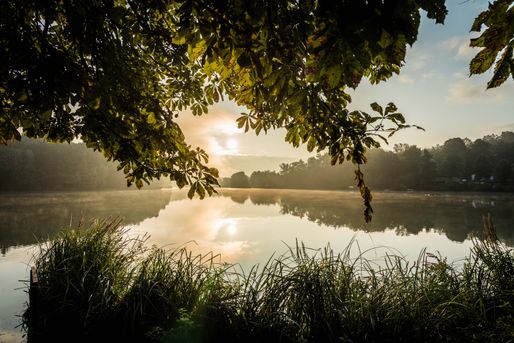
(98, 282)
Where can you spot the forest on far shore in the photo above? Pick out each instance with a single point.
(485, 164)
(35, 165)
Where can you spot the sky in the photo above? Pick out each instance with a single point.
(433, 90)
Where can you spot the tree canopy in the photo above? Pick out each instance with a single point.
(116, 73)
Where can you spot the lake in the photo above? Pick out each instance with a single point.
(247, 226)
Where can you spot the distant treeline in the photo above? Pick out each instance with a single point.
(34, 165)
(459, 164)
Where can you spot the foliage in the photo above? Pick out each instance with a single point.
(88, 272)
(105, 72)
(496, 42)
(301, 296)
(34, 165)
(116, 73)
(240, 180)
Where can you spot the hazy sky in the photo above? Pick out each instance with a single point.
(433, 90)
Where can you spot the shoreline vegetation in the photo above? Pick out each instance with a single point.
(99, 283)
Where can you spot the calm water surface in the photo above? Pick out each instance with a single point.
(246, 226)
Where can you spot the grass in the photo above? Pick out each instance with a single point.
(98, 284)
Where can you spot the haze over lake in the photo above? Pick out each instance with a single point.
(247, 226)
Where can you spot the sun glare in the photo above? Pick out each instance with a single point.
(228, 225)
(231, 229)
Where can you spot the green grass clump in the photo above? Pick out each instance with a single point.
(97, 283)
(83, 276)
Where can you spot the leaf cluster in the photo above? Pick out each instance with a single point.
(496, 41)
(107, 73)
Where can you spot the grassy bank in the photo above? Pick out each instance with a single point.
(98, 284)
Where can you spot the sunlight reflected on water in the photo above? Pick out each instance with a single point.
(247, 233)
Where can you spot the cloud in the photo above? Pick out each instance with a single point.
(459, 45)
(467, 91)
(459, 75)
(406, 78)
(431, 75)
(216, 132)
(416, 59)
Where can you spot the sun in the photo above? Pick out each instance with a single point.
(224, 138)
(224, 146)
(232, 144)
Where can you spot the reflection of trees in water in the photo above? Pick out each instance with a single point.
(457, 216)
(26, 218)
(258, 198)
(240, 198)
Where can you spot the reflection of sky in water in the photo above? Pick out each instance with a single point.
(13, 269)
(248, 234)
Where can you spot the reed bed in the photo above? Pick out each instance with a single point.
(96, 283)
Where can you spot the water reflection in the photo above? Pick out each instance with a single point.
(31, 217)
(249, 226)
(456, 215)
(26, 218)
(209, 225)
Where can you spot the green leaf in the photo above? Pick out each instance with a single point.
(377, 108)
(271, 79)
(195, 51)
(480, 20)
(334, 75)
(311, 144)
(94, 104)
(22, 96)
(192, 190)
(502, 70)
(241, 121)
(179, 40)
(181, 181)
(385, 39)
(215, 96)
(151, 118)
(200, 190)
(397, 117)
(482, 61)
(391, 107)
(46, 114)
(316, 41)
